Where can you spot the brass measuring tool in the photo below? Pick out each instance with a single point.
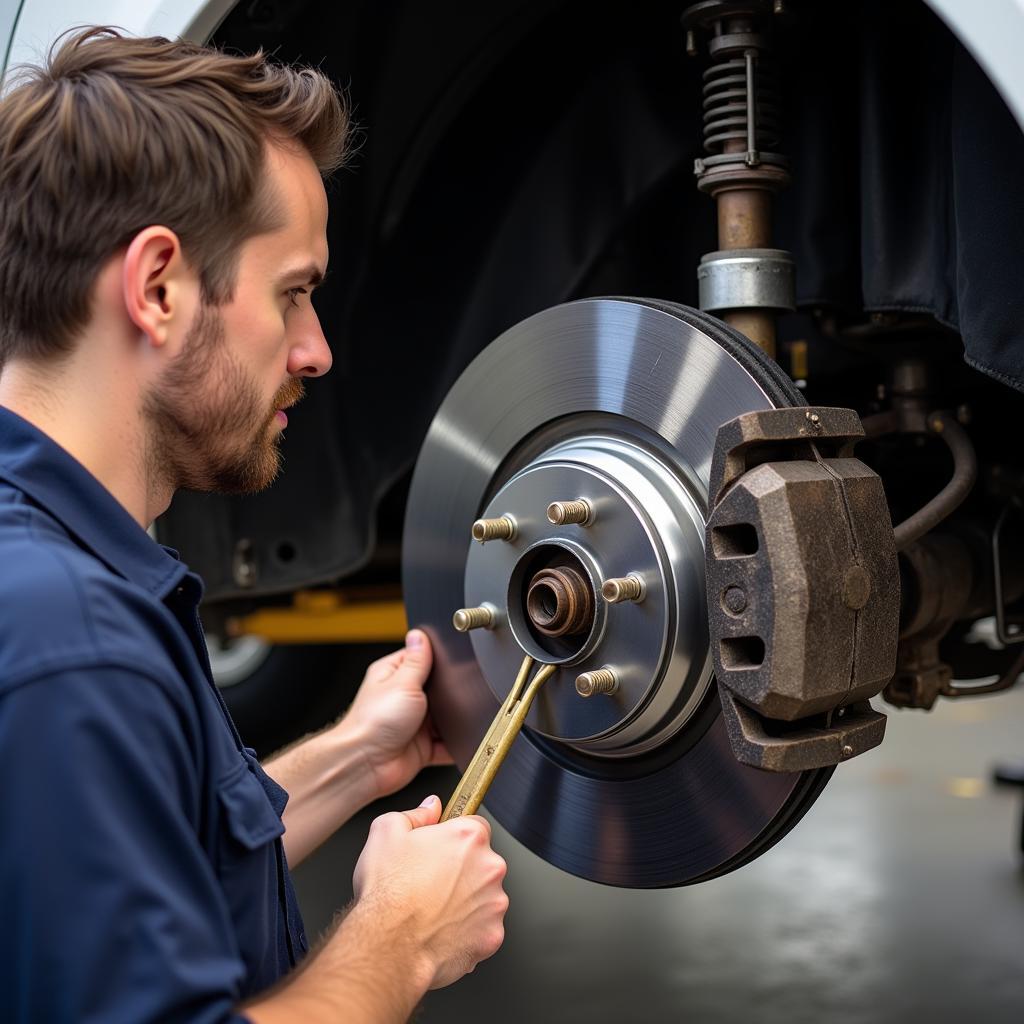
(497, 741)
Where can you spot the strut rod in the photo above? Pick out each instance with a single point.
(745, 281)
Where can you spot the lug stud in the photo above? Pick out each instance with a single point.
(602, 680)
(484, 617)
(564, 513)
(503, 528)
(623, 588)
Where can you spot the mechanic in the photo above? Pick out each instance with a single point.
(162, 225)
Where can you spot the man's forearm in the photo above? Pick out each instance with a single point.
(362, 975)
(328, 780)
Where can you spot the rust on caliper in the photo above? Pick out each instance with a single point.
(803, 588)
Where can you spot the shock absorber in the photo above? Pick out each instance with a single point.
(744, 281)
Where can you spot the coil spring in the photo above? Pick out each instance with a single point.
(725, 106)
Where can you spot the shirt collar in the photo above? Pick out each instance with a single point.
(37, 465)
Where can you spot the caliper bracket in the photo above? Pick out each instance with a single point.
(803, 588)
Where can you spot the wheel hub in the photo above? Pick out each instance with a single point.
(548, 578)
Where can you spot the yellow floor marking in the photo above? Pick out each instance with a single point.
(972, 712)
(964, 787)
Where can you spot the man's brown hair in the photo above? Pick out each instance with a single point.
(113, 134)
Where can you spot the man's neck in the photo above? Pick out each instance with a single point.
(96, 419)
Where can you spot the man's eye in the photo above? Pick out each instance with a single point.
(293, 294)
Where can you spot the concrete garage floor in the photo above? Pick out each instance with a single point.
(898, 898)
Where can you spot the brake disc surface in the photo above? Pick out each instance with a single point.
(618, 402)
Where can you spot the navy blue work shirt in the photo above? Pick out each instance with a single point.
(142, 876)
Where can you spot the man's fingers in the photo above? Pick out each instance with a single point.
(384, 667)
(428, 813)
(413, 663)
(480, 821)
(418, 655)
(415, 657)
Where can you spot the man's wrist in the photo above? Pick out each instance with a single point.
(349, 743)
(368, 922)
(369, 971)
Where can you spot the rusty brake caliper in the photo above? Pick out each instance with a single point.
(803, 588)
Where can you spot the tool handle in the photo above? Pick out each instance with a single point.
(497, 742)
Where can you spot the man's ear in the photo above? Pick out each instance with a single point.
(155, 284)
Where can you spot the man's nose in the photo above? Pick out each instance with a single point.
(309, 355)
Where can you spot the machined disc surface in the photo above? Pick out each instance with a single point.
(617, 401)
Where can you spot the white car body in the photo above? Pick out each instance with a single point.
(992, 31)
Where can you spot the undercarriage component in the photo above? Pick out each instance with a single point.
(803, 588)
(624, 772)
(946, 579)
(746, 278)
(746, 281)
(910, 414)
(965, 471)
(938, 572)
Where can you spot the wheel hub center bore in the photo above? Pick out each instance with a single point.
(559, 602)
(614, 585)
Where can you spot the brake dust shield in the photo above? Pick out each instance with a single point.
(616, 402)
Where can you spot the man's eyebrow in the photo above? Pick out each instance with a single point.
(309, 274)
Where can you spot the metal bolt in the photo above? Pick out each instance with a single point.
(691, 43)
(483, 617)
(735, 600)
(847, 751)
(503, 528)
(602, 680)
(623, 588)
(562, 513)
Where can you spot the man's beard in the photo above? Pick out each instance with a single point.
(209, 428)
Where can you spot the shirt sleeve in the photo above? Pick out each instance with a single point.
(111, 908)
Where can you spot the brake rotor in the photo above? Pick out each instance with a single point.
(615, 403)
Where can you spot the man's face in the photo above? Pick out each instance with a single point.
(217, 412)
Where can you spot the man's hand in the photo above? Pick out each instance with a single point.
(390, 716)
(378, 747)
(439, 883)
(429, 907)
